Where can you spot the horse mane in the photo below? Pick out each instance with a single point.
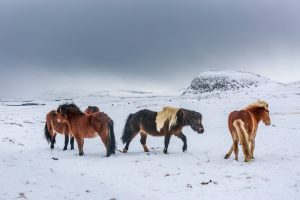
(168, 113)
(69, 109)
(257, 104)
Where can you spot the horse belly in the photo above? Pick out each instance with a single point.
(156, 133)
(160, 133)
(91, 134)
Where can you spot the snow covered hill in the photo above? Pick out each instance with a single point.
(236, 85)
(220, 81)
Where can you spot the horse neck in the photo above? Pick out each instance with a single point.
(257, 114)
(187, 117)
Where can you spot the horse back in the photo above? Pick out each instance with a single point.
(144, 120)
(98, 120)
(243, 115)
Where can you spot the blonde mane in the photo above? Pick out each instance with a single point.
(167, 114)
(258, 104)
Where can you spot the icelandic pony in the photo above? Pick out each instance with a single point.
(243, 126)
(91, 109)
(52, 128)
(170, 121)
(88, 126)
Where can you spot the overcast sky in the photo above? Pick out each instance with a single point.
(143, 44)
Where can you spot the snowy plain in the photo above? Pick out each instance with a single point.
(29, 169)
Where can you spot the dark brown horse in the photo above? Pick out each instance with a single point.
(170, 121)
(91, 109)
(52, 128)
(243, 125)
(88, 126)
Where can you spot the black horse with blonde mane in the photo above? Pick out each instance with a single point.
(170, 121)
(88, 126)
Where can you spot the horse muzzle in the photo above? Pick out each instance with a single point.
(201, 130)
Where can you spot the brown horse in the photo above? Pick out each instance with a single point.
(243, 126)
(170, 121)
(91, 109)
(88, 126)
(52, 128)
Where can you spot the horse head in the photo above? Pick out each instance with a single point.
(194, 119)
(67, 110)
(266, 117)
(265, 114)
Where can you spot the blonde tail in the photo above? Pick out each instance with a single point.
(243, 136)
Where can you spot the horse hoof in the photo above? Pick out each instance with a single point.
(81, 154)
(65, 149)
(226, 156)
(146, 151)
(125, 150)
(166, 152)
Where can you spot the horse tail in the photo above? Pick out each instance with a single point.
(243, 136)
(127, 132)
(111, 138)
(47, 133)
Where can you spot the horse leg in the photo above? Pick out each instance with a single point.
(79, 143)
(82, 144)
(167, 141)
(66, 141)
(252, 148)
(236, 149)
(72, 142)
(183, 138)
(143, 141)
(127, 143)
(229, 152)
(104, 138)
(247, 156)
(53, 141)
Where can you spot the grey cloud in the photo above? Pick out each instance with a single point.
(150, 39)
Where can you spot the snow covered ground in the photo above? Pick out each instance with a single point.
(30, 170)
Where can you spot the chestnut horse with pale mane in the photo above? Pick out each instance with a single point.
(52, 128)
(170, 121)
(88, 126)
(243, 126)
